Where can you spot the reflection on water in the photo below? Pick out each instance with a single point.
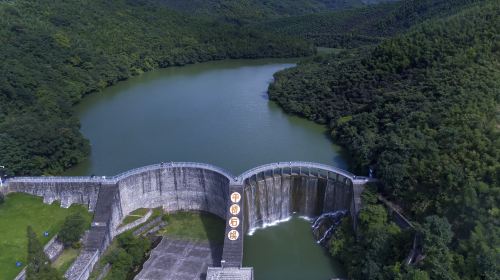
(214, 112)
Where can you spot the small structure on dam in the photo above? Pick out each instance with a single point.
(259, 196)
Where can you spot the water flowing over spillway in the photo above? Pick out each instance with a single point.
(276, 198)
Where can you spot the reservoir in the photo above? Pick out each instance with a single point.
(218, 113)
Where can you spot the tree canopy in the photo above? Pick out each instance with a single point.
(73, 227)
(55, 52)
(367, 25)
(248, 11)
(38, 263)
(421, 109)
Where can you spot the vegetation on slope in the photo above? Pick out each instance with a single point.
(126, 254)
(421, 109)
(39, 266)
(55, 52)
(379, 239)
(72, 230)
(247, 11)
(17, 213)
(363, 26)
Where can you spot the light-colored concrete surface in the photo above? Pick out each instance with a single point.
(180, 260)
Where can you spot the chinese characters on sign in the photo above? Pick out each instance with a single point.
(233, 235)
(235, 197)
(234, 209)
(234, 222)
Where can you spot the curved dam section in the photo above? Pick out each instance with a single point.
(174, 189)
(274, 197)
(173, 186)
(269, 193)
(273, 192)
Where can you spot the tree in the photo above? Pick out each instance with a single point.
(38, 263)
(122, 263)
(136, 247)
(72, 229)
(420, 108)
(415, 274)
(128, 255)
(437, 235)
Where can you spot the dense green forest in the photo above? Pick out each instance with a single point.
(55, 52)
(362, 26)
(414, 95)
(247, 11)
(422, 110)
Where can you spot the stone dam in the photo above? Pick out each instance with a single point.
(266, 194)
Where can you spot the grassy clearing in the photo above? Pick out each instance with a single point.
(322, 50)
(197, 226)
(65, 260)
(134, 216)
(19, 211)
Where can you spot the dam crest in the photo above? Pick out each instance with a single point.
(268, 193)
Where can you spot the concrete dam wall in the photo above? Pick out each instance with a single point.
(175, 186)
(269, 193)
(67, 190)
(175, 189)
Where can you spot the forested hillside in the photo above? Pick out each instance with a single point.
(422, 110)
(245, 11)
(55, 52)
(363, 26)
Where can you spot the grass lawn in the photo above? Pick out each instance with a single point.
(65, 260)
(19, 211)
(322, 50)
(135, 215)
(198, 226)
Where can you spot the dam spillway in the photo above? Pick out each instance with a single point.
(274, 198)
(269, 193)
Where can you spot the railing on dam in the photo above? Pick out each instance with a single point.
(90, 190)
(235, 179)
(121, 176)
(303, 164)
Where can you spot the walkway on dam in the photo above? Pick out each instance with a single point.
(296, 167)
(233, 239)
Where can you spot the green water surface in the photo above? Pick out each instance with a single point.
(217, 113)
(288, 251)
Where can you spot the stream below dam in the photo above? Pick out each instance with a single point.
(218, 113)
